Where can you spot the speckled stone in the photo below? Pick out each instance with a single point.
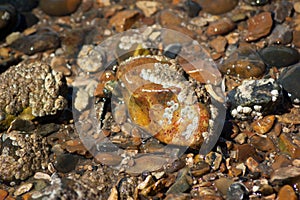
(259, 26)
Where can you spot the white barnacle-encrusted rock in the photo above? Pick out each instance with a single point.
(35, 86)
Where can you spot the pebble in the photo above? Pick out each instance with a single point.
(264, 144)
(59, 7)
(200, 169)
(247, 100)
(241, 138)
(214, 160)
(182, 183)
(91, 58)
(219, 44)
(245, 151)
(223, 184)
(192, 8)
(72, 41)
(259, 26)
(287, 192)
(149, 162)
(292, 117)
(220, 27)
(282, 10)
(263, 125)
(81, 100)
(21, 5)
(26, 187)
(280, 161)
(59, 64)
(286, 145)
(3, 194)
(237, 191)
(108, 158)
(148, 7)
(38, 42)
(296, 38)
(66, 162)
(288, 79)
(279, 56)
(218, 7)
(42, 176)
(123, 20)
(281, 34)
(252, 165)
(168, 18)
(172, 50)
(243, 63)
(257, 2)
(8, 19)
(297, 7)
(284, 174)
(75, 146)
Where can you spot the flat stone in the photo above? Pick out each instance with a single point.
(286, 145)
(245, 151)
(219, 44)
(297, 7)
(252, 165)
(23, 189)
(223, 185)
(287, 192)
(123, 20)
(279, 56)
(262, 143)
(285, 174)
(281, 161)
(217, 7)
(183, 182)
(259, 26)
(282, 10)
(169, 18)
(263, 125)
(220, 27)
(66, 162)
(296, 38)
(108, 158)
(148, 7)
(281, 34)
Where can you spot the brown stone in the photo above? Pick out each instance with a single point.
(252, 165)
(223, 184)
(59, 64)
(220, 27)
(287, 192)
(245, 151)
(297, 7)
(75, 146)
(259, 26)
(217, 7)
(109, 158)
(281, 161)
(3, 194)
(292, 117)
(219, 44)
(169, 18)
(284, 174)
(262, 143)
(296, 38)
(123, 20)
(286, 145)
(263, 125)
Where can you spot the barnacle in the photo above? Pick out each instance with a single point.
(30, 90)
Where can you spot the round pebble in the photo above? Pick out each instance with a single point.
(66, 162)
(59, 7)
(279, 56)
(287, 192)
(218, 7)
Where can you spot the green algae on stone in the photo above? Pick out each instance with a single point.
(30, 90)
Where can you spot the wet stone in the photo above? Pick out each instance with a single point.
(243, 63)
(172, 50)
(257, 2)
(3, 194)
(297, 7)
(223, 185)
(26, 187)
(59, 7)
(281, 161)
(287, 192)
(286, 145)
(220, 27)
(279, 56)
(285, 174)
(255, 98)
(149, 8)
(218, 7)
(168, 18)
(38, 42)
(66, 162)
(292, 117)
(182, 183)
(262, 143)
(287, 79)
(192, 8)
(109, 159)
(282, 10)
(281, 34)
(296, 38)
(219, 44)
(237, 191)
(123, 20)
(22, 6)
(259, 26)
(214, 160)
(263, 125)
